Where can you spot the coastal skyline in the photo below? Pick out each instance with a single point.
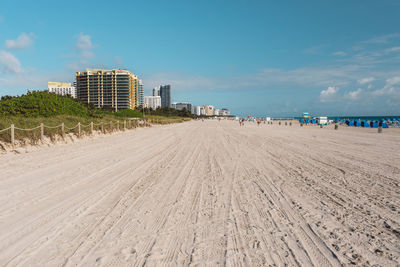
(264, 59)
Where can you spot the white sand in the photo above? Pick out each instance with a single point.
(208, 193)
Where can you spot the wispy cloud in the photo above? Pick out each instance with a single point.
(383, 39)
(313, 50)
(23, 41)
(340, 54)
(355, 94)
(9, 63)
(393, 49)
(85, 46)
(328, 94)
(366, 80)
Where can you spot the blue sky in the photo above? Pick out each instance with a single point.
(253, 57)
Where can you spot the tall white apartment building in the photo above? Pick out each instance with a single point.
(197, 110)
(153, 102)
(61, 88)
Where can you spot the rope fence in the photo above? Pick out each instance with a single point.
(102, 126)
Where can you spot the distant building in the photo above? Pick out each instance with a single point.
(156, 91)
(153, 102)
(197, 110)
(114, 88)
(61, 88)
(216, 112)
(224, 112)
(202, 110)
(140, 95)
(182, 105)
(209, 110)
(165, 93)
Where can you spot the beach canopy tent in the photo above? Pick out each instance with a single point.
(385, 125)
(364, 124)
(357, 123)
(314, 121)
(350, 123)
(373, 124)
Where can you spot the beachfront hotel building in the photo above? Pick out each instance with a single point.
(113, 88)
(61, 89)
(152, 102)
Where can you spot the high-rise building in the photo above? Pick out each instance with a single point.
(140, 94)
(165, 93)
(156, 91)
(153, 102)
(113, 88)
(61, 88)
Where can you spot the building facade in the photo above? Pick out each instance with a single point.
(224, 112)
(113, 88)
(182, 105)
(140, 94)
(165, 93)
(208, 110)
(153, 102)
(156, 91)
(61, 89)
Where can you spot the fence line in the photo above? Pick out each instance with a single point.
(136, 123)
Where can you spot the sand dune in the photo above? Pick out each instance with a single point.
(205, 193)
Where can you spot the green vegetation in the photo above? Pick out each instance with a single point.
(168, 112)
(30, 110)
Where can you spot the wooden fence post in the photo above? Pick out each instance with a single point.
(130, 124)
(12, 135)
(91, 127)
(42, 132)
(124, 125)
(62, 130)
(79, 129)
(117, 125)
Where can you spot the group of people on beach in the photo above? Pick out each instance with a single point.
(241, 121)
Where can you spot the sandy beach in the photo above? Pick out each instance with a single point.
(205, 193)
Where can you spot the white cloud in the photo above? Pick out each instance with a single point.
(392, 81)
(85, 46)
(328, 94)
(391, 88)
(23, 41)
(383, 39)
(366, 80)
(9, 63)
(393, 49)
(340, 54)
(355, 94)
